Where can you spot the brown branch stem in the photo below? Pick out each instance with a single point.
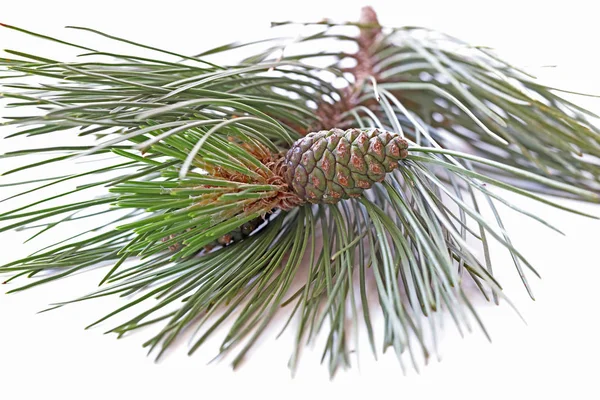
(331, 115)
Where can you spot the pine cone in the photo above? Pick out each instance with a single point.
(240, 232)
(327, 166)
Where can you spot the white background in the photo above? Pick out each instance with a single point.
(556, 355)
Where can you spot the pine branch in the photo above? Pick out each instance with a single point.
(223, 178)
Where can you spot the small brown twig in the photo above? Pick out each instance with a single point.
(331, 115)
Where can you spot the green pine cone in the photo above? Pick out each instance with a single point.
(328, 166)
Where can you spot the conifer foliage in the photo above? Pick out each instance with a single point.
(204, 189)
